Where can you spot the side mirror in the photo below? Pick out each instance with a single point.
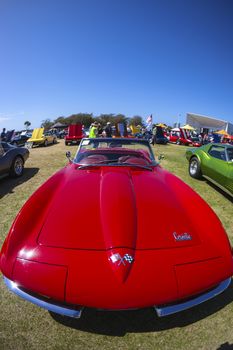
(68, 155)
(161, 156)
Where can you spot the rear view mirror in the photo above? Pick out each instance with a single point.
(68, 155)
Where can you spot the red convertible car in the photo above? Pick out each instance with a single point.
(102, 233)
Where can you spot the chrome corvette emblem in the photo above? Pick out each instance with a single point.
(121, 260)
(182, 237)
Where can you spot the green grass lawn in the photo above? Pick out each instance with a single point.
(25, 326)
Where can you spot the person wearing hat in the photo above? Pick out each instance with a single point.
(94, 131)
(108, 130)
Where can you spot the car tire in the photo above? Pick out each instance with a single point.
(17, 167)
(178, 142)
(46, 143)
(195, 168)
(66, 143)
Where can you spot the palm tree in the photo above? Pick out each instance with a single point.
(27, 124)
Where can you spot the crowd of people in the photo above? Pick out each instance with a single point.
(97, 130)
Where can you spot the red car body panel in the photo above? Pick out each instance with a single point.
(75, 133)
(173, 138)
(183, 139)
(88, 216)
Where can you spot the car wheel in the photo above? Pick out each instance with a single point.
(66, 143)
(17, 167)
(195, 168)
(46, 143)
(178, 142)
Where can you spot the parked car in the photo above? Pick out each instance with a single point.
(196, 142)
(174, 135)
(9, 135)
(183, 138)
(142, 247)
(19, 140)
(41, 137)
(213, 161)
(158, 136)
(12, 159)
(75, 134)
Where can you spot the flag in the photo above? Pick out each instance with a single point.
(149, 122)
(149, 119)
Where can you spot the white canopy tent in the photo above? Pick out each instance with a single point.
(203, 122)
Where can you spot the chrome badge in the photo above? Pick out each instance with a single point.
(117, 258)
(182, 237)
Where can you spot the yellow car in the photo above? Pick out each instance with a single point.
(41, 137)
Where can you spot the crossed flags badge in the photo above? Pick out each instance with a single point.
(121, 260)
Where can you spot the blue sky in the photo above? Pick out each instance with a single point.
(136, 57)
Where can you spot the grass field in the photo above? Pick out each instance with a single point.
(24, 326)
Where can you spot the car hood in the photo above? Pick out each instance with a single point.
(104, 208)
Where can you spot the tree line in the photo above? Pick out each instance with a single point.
(87, 119)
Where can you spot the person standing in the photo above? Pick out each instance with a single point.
(108, 130)
(3, 134)
(94, 131)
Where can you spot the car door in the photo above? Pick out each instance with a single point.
(229, 180)
(49, 137)
(1, 159)
(215, 165)
(4, 159)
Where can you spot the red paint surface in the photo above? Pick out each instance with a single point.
(61, 242)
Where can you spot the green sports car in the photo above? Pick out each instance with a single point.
(214, 161)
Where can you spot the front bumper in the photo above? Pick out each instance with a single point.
(172, 309)
(76, 312)
(46, 304)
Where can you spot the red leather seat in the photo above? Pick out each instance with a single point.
(133, 160)
(93, 159)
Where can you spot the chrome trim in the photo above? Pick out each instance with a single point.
(169, 310)
(161, 311)
(66, 311)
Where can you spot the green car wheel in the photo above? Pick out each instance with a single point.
(195, 168)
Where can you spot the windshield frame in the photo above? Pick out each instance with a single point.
(122, 141)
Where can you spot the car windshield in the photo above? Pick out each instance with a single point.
(115, 152)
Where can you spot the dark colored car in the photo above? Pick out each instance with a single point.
(213, 161)
(159, 136)
(12, 159)
(19, 140)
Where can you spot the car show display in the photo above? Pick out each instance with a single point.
(12, 159)
(41, 137)
(86, 237)
(213, 161)
(75, 134)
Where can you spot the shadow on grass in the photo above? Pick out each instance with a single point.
(7, 184)
(225, 346)
(216, 188)
(118, 323)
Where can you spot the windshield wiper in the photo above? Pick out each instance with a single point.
(88, 166)
(118, 164)
(101, 162)
(136, 165)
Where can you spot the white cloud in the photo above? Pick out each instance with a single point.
(2, 119)
(9, 116)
